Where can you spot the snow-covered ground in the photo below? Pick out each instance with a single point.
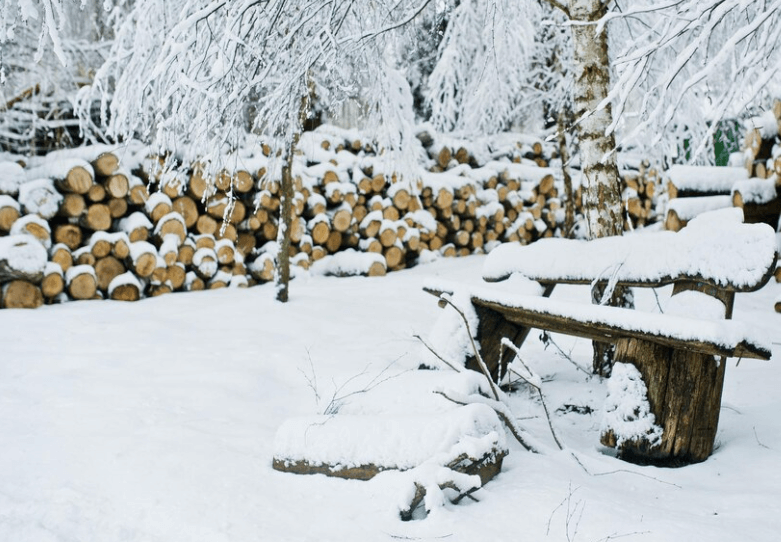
(155, 421)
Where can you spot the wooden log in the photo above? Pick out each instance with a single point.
(83, 256)
(100, 245)
(125, 287)
(72, 206)
(53, 281)
(106, 269)
(394, 256)
(143, 258)
(334, 242)
(320, 229)
(96, 193)
(157, 206)
(78, 180)
(97, 217)
(171, 224)
(187, 208)
(121, 247)
(136, 226)
(139, 193)
(342, 218)
(176, 275)
(226, 251)
(186, 252)
(81, 282)
(9, 212)
(205, 263)
(20, 294)
(62, 256)
(33, 225)
(228, 231)
(105, 164)
(206, 225)
(117, 185)
(117, 207)
(193, 282)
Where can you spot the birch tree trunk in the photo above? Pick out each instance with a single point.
(602, 202)
(282, 273)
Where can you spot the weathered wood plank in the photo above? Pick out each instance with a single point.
(601, 326)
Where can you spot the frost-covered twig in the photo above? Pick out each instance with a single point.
(619, 471)
(547, 339)
(440, 358)
(534, 381)
(501, 410)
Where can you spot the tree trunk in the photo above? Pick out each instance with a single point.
(602, 205)
(282, 275)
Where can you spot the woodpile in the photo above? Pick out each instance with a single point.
(123, 226)
(752, 183)
(641, 187)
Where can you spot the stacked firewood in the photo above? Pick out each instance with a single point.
(120, 224)
(640, 183)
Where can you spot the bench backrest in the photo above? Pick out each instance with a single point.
(715, 248)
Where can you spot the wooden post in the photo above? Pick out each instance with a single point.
(684, 393)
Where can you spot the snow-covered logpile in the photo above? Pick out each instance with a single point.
(705, 179)
(756, 191)
(389, 442)
(689, 208)
(348, 263)
(715, 246)
(23, 253)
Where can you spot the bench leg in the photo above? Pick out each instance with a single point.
(684, 394)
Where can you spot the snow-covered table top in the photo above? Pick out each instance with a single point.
(716, 247)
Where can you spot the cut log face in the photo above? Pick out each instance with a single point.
(20, 294)
(72, 206)
(105, 164)
(78, 180)
(117, 185)
(8, 215)
(81, 282)
(188, 209)
(52, 284)
(97, 218)
(107, 269)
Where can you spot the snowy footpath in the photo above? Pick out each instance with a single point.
(155, 421)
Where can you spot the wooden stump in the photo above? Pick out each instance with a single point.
(684, 394)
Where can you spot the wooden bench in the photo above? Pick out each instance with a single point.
(679, 356)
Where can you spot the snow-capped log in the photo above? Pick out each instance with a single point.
(106, 269)
(11, 176)
(69, 174)
(81, 282)
(142, 259)
(760, 199)
(681, 210)
(359, 447)
(125, 287)
(9, 212)
(117, 185)
(138, 193)
(61, 255)
(170, 224)
(136, 226)
(53, 281)
(351, 263)
(20, 294)
(688, 181)
(21, 257)
(34, 226)
(226, 251)
(157, 206)
(40, 197)
(205, 263)
(176, 275)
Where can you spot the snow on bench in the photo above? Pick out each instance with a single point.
(603, 323)
(716, 248)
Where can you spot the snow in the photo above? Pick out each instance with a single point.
(23, 253)
(127, 278)
(11, 176)
(57, 168)
(347, 263)
(706, 178)
(155, 421)
(8, 201)
(688, 208)
(389, 441)
(627, 412)
(756, 190)
(714, 246)
(40, 197)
